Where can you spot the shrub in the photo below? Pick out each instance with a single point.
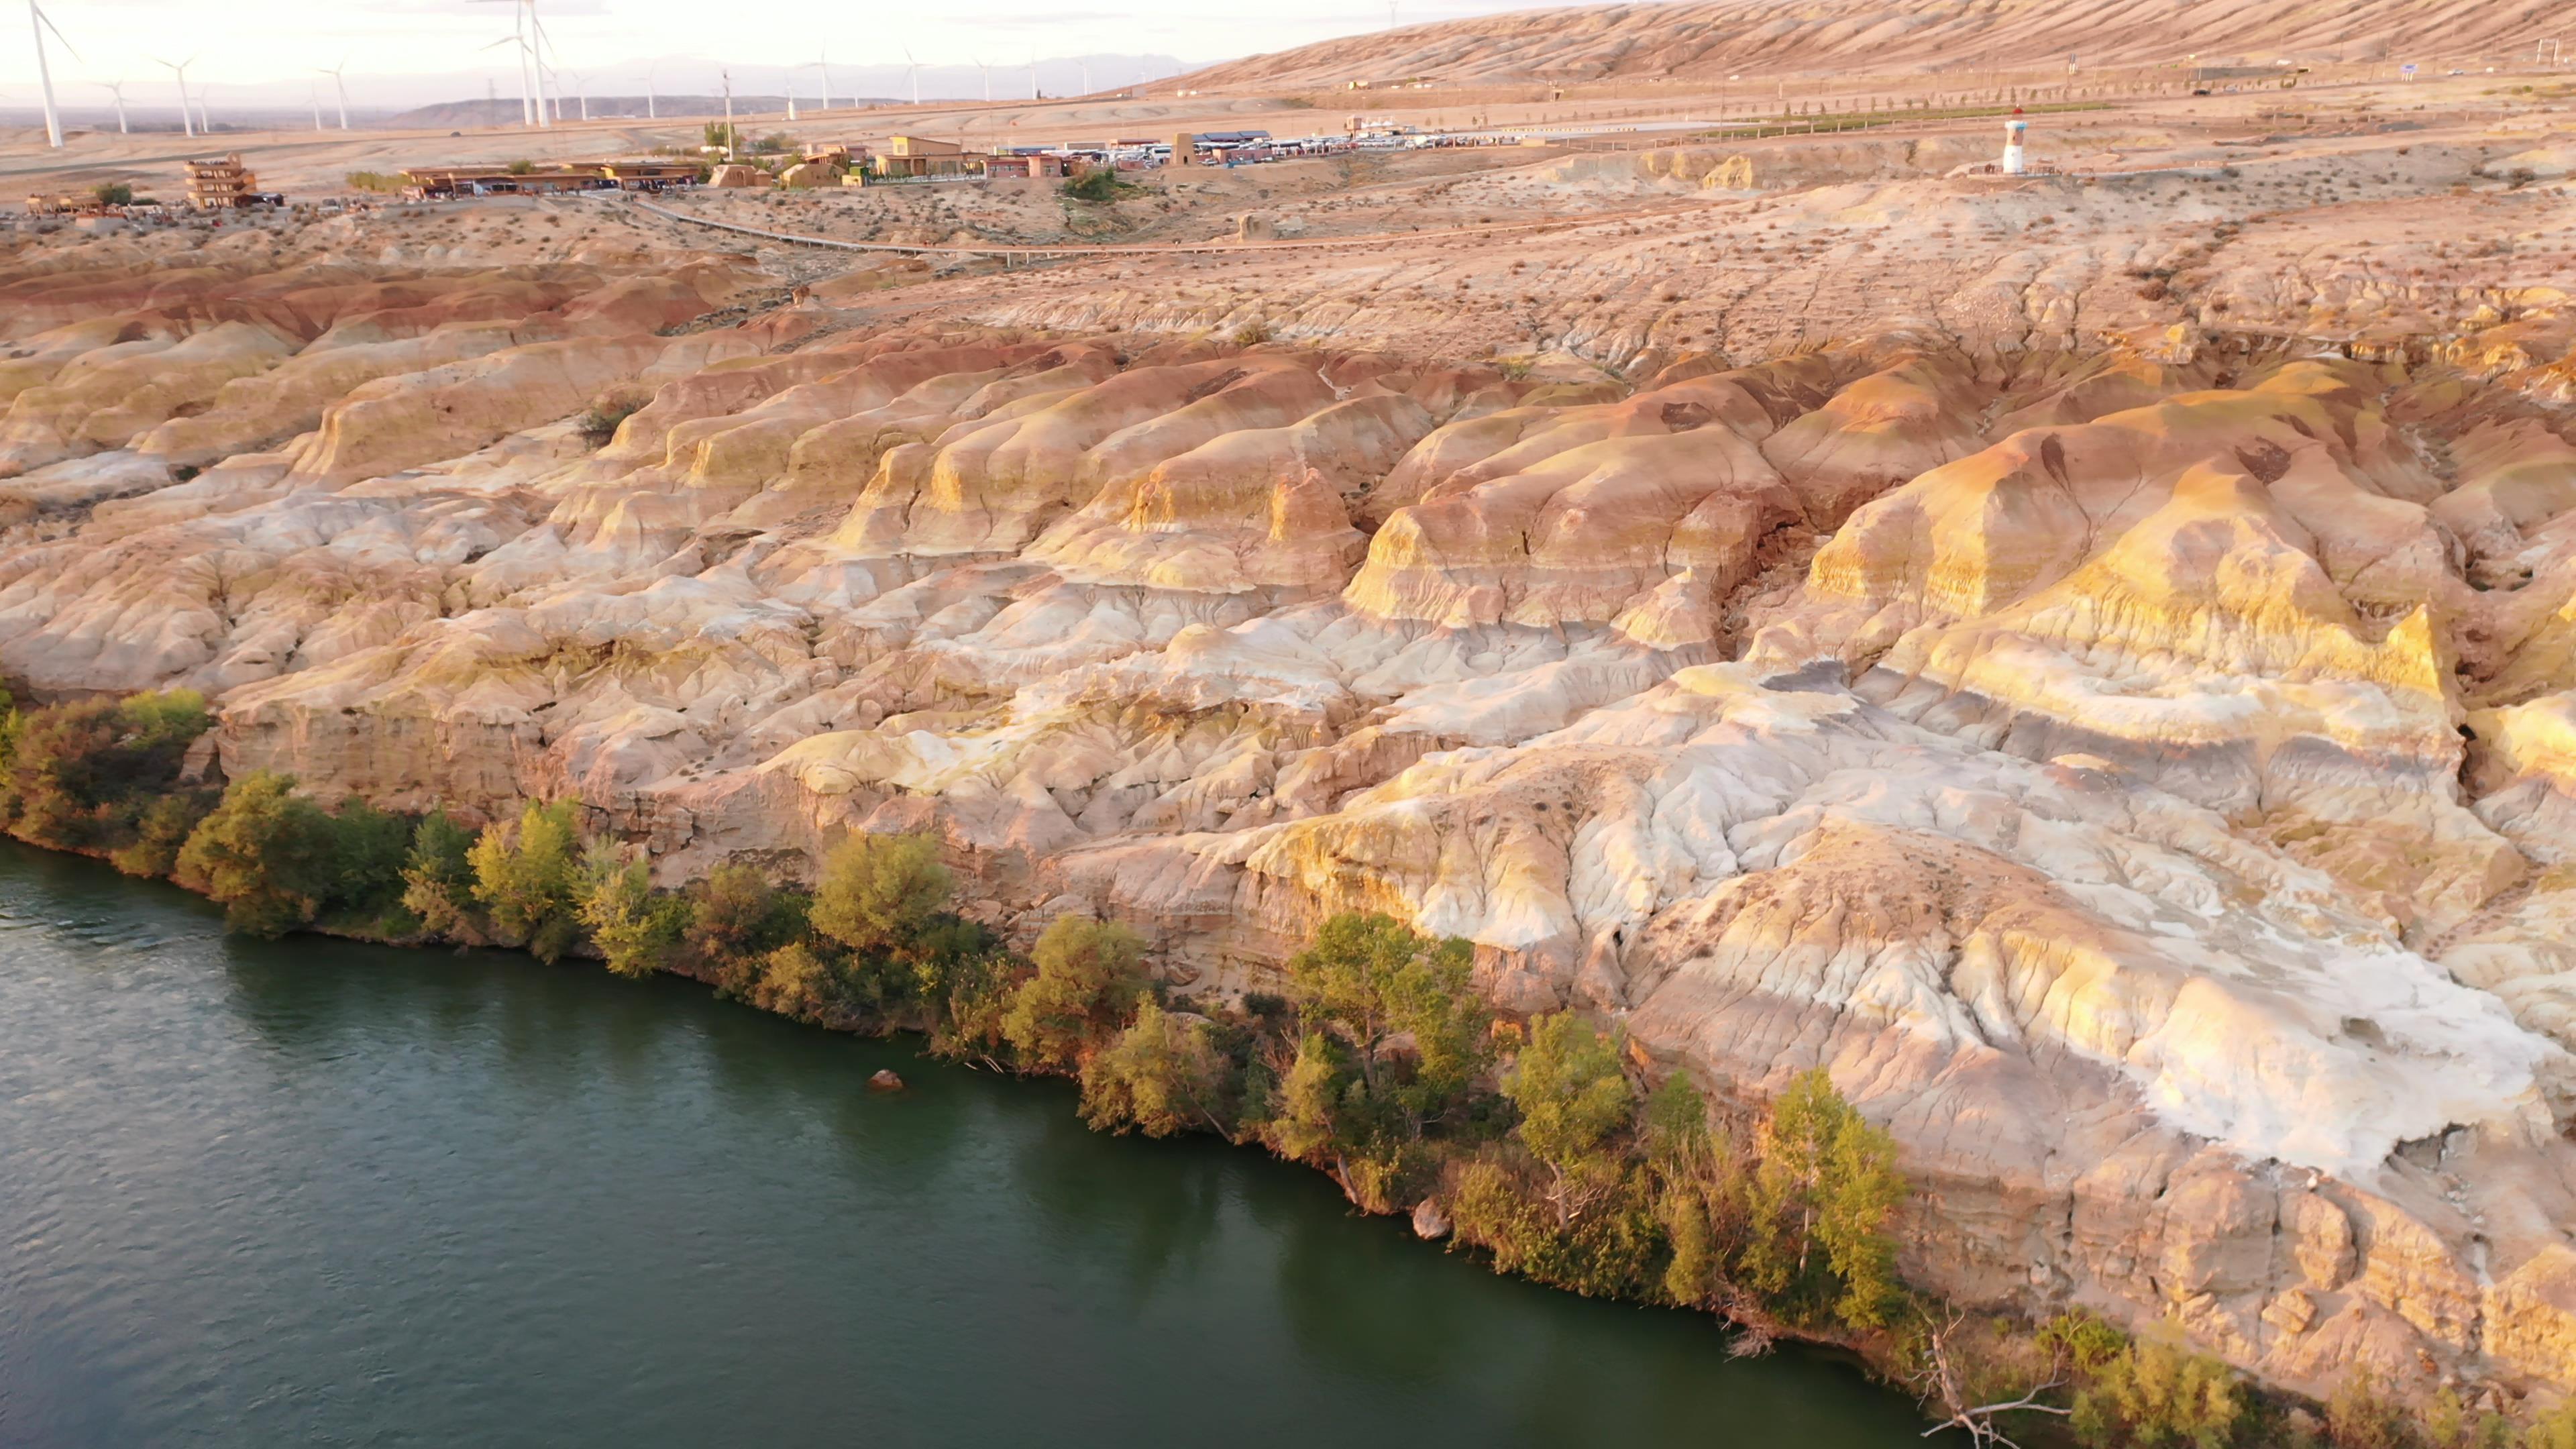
(438, 881)
(163, 830)
(600, 421)
(276, 861)
(1099, 186)
(795, 981)
(263, 855)
(1367, 978)
(1573, 1098)
(634, 926)
(879, 893)
(736, 918)
(113, 193)
(1161, 1076)
(1823, 1197)
(2158, 1395)
(1090, 974)
(81, 776)
(375, 181)
(528, 880)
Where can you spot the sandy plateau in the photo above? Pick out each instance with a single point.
(2089, 658)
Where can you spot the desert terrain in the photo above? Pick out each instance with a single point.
(2088, 657)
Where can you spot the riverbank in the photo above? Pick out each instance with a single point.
(311, 1191)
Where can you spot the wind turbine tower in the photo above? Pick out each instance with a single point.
(187, 123)
(40, 22)
(341, 87)
(116, 88)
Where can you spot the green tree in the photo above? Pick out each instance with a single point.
(736, 918)
(263, 855)
(879, 893)
(1824, 1196)
(528, 880)
(796, 981)
(2157, 1395)
(82, 775)
(161, 832)
(1162, 1075)
(438, 880)
(1090, 974)
(634, 926)
(1310, 1096)
(1370, 978)
(1573, 1098)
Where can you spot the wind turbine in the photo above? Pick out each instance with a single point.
(789, 73)
(825, 66)
(651, 112)
(912, 72)
(313, 90)
(187, 123)
(517, 40)
(40, 22)
(581, 88)
(988, 81)
(116, 88)
(1033, 75)
(339, 85)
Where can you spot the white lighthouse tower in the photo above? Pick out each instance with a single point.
(2016, 131)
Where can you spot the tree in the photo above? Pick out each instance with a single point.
(2158, 1395)
(1310, 1096)
(263, 854)
(736, 918)
(1573, 1097)
(528, 880)
(82, 775)
(1090, 975)
(878, 893)
(1369, 977)
(162, 832)
(438, 880)
(1160, 1076)
(113, 193)
(1823, 1196)
(634, 926)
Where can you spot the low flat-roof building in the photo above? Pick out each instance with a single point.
(916, 156)
(428, 182)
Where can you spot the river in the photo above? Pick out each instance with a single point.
(313, 1193)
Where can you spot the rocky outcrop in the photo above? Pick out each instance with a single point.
(2146, 791)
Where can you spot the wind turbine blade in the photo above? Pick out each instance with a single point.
(58, 32)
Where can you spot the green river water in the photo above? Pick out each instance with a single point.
(313, 1193)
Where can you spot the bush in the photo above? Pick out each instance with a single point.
(634, 926)
(113, 193)
(438, 881)
(1368, 978)
(600, 421)
(1099, 186)
(1161, 1076)
(1612, 1251)
(1573, 1098)
(82, 776)
(374, 181)
(2158, 1395)
(879, 893)
(1090, 975)
(276, 861)
(162, 831)
(736, 919)
(528, 880)
(1824, 1195)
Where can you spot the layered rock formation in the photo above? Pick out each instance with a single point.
(2145, 781)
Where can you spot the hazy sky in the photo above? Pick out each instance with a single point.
(247, 41)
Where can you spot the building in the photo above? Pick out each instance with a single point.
(1023, 165)
(910, 157)
(649, 175)
(221, 185)
(736, 175)
(810, 173)
(433, 182)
